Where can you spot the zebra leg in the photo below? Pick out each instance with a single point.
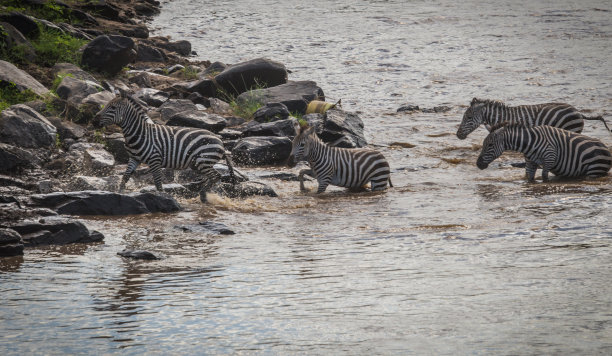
(131, 167)
(211, 176)
(156, 171)
(301, 177)
(530, 170)
(323, 183)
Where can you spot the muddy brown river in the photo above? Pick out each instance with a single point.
(452, 260)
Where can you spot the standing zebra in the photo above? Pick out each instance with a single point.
(562, 152)
(162, 146)
(350, 168)
(491, 112)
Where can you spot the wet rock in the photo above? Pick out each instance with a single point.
(437, 109)
(213, 69)
(284, 176)
(181, 47)
(241, 190)
(23, 23)
(152, 97)
(138, 254)
(175, 106)
(94, 183)
(264, 150)
(104, 203)
(271, 112)
(238, 78)
(13, 39)
(14, 159)
(186, 191)
(11, 243)
(55, 231)
(22, 80)
(98, 161)
(281, 128)
(109, 54)
(408, 108)
(207, 227)
(198, 119)
(294, 95)
(339, 128)
(22, 126)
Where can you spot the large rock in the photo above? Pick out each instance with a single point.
(294, 95)
(147, 53)
(175, 106)
(109, 54)
(204, 87)
(20, 125)
(11, 243)
(339, 128)
(115, 144)
(67, 129)
(265, 150)
(105, 203)
(13, 39)
(69, 69)
(181, 47)
(98, 161)
(13, 159)
(152, 97)
(55, 231)
(198, 119)
(281, 128)
(271, 112)
(22, 80)
(242, 190)
(259, 72)
(23, 23)
(76, 90)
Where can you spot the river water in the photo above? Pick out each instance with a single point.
(452, 260)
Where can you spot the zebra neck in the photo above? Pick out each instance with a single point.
(133, 125)
(497, 112)
(518, 140)
(317, 150)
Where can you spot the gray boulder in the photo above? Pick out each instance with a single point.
(271, 112)
(242, 190)
(281, 128)
(175, 106)
(22, 80)
(264, 150)
(76, 90)
(181, 47)
(152, 97)
(147, 53)
(213, 69)
(105, 203)
(109, 54)
(11, 243)
(55, 231)
(339, 128)
(198, 119)
(238, 78)
(67, 129)
(12, 38)
(13, 159)
(22, 126)
(69, 69)
(294, 95)
(94, 183)
(98, 161)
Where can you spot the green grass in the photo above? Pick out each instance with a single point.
(245, 110)
(50, 11)
(190, 73)
(10, 95)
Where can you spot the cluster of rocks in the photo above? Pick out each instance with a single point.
(55, 165)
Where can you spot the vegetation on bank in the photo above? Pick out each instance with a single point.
(51, 10)
(10, 95)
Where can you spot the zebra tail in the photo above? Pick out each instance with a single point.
(599, 118)
(228, 160)
(390, 184)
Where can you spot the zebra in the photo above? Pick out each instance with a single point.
(161, 146)
(491, 112)
(344, 167)
(559, 151)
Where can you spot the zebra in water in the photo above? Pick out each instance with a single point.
(161, 146)
(491, 112)
(561, 152)
(349, 168)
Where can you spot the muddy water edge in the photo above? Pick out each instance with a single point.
(453, 260)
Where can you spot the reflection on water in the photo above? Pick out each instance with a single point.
(452, 260)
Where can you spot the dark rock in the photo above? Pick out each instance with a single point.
(105, 203)
(142, 79)
(213, 69)
(437, 109)
(67, 129)
(76, 90)
(22, 80)
(152, 97)
(102, 9)
(115, 144)
(408, 108)
(109, 54)
(284, 176)
(181, 47)
(75, 32)
(197, 98)
(294, 95)
(138, 254)
(98, 161)
(22, 126)
(197, 119)
(83, 17)
(13, 159)
(193, 176)
(94, 183)
(175, 68)
(271, 112)
(229, 134)
(11, 37)
(55, 231)
(6, 181)
(207, 227)
(10, 250)
(338, 127)
(204, 87)
(69, 69)
(281, 128)
(146, 9)
(175, 106)
(23, 23)
(189, 190)
(262, 150)
(248, 75)
(150, 54)
(234, 121)
(241, 190)
(9, 236)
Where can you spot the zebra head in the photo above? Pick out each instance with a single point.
(472, 118)
(299, 149)
(492, 146)
(112, 112)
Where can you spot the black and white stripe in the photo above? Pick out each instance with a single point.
(161, 146)
(561, 152)
(343, 167)
(492, 112)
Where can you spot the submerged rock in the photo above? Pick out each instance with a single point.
(294, 95)
(207, 227)
(138, 254)
(262, 150)
(242, 190)
(11, 243)
(238, 78)
(55, 231)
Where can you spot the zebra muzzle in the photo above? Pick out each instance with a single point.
(481, 163)
(291, 161)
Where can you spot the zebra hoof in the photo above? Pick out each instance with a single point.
(203, 196)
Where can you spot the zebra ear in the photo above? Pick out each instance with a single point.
(475, 101)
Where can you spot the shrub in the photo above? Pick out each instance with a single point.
(10, 95)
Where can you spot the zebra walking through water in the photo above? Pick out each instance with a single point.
(349, 168)
(561, 152)
(492, 112)
(161, 146)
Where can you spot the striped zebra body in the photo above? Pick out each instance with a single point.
(343, 167)
(161, 146)
(561, 152)
(491, 113)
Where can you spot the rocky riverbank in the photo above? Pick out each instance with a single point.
(62, 62)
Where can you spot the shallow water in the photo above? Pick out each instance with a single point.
(452, 260)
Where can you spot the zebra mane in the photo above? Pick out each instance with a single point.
(495, 103)
(508, 125)
(139, 107)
